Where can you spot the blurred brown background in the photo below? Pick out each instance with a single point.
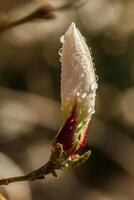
(30, 99)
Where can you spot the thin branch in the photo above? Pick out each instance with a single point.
(42, 12)
(40, 173)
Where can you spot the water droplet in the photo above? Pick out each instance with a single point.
(82, 75)
(89, 110)
(75, 134)
(88, 91)
(70, 157)
(84, 66)
(60, 51)
(78, 94)
(61, 59)
(79, 125)
(94, 86)
(72, 120)
(93, 96)
(93, 111)
(84, 95)
(84, 39)
(73, 25)
(97, 78)
(62, 39)
(66, 164)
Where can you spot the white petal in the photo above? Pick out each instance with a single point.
(78, 79)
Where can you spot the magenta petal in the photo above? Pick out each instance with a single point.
(65, 136)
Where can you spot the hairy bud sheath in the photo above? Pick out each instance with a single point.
(78, 91)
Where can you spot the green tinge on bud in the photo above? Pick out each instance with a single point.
(78, 92)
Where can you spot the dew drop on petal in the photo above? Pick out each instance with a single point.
(94, 86)
(93, 111)
(84, 95)
(61, 59)
(97, 78)
(60, 51)
(62, 39)
(78, 94)
(69, 158)
(94, 67)
(79, 125)
(82, 75)
(84, 39)
(93, 96)
(66, 164)
(89, 110)
(75, 134)
(84, 67)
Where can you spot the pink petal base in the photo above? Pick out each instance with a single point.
(66, 135)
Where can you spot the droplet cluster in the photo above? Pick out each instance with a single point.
(78, 73)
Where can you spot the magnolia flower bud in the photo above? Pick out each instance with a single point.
(78, 91)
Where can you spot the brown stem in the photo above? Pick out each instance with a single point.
(40, 173)
(45, 12)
